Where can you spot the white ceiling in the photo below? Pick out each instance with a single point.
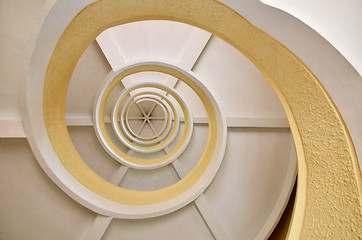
(253, 172)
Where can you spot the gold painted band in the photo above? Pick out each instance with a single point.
(65, 149)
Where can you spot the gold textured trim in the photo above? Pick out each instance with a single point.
(329, 183)
(71, 160)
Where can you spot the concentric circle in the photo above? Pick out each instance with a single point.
(125, 118)
(170, 113)
(149, 149)
(187, 188)
(62, 45)
(109, 145)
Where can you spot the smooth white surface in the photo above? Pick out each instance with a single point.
(20, 23)
(146, 40)
(185, 223)
(210, 218)
(11, 129)
(31, 206)
(337, 21)
(97, 229)
(203, 206)
(249, 180)
(188, 159)
(238, 86)
(149, 180)
(192, 98)
(97, 159)
(283, 198)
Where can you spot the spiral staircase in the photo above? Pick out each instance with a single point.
(170, 133)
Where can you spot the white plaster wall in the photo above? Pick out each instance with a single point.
(194, 150)
(88, 147)
(88, 76)
(185, 223)
(142, 40)
(249, 180)
(237, 85)
(145, 40)
(31, 205)
(339, 22)
(20, 22)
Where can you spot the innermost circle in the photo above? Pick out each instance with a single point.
(147, 118)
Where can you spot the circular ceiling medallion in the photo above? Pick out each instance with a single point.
(170, 117)
(147, 117)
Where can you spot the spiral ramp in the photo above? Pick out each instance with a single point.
(132, 120)
(170, 133)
